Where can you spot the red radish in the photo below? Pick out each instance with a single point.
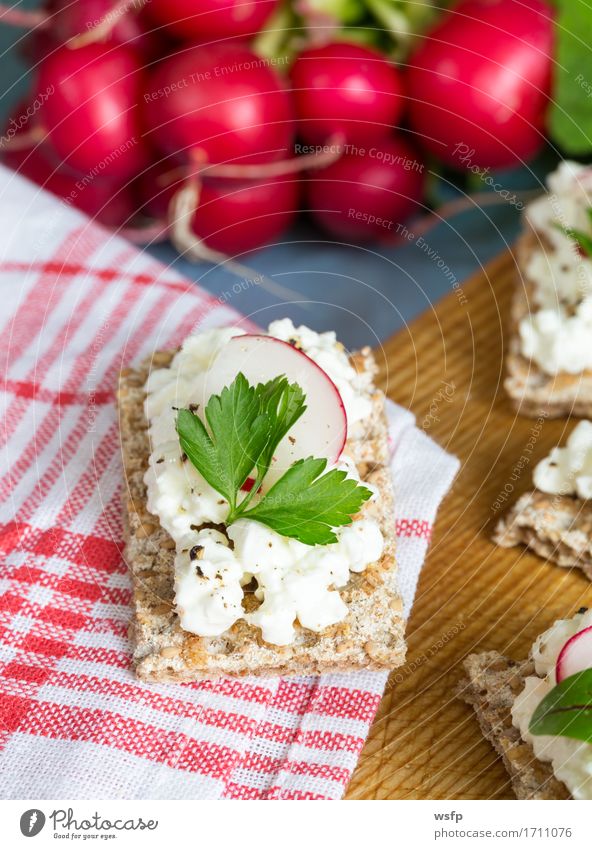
(575, 656)
(159, 182)
(91, 115)
(322, 429)
(234, 217)
(364, 197)
(61, 20)
(345, 88)
(103, 200)
(221, 99)
(479, 84)
(189, 19)
(248, 485)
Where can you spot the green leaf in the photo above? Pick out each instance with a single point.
(567, 710)
(239, 428)
(238, 434)
(283, 403)
(306, 504)
(583, 240)
(342, 11)
(199, 448)
(243, 427)
(570, 115)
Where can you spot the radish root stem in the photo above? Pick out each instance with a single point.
(24, 141)
(181, 211)
(26, 18)
(103, 28)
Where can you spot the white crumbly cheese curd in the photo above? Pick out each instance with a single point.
(331, 356)
(556, 335)
(214, 570)
(570, 759)
(558, 340)
(568, 471)
(568, 197)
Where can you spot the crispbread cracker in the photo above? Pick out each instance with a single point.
(371, 637)
(557, 527)
(493, 682)
(533, 392)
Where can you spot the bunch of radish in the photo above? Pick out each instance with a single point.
(161, 117)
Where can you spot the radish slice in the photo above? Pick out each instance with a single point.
(575, 656)
(322, 429)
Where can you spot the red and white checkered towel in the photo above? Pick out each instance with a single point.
(77, 304)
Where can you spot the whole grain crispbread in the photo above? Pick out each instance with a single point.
(557, 527)
(372, 635)
(493, 682)
(533, 392)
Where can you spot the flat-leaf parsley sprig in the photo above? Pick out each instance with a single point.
(245, 424)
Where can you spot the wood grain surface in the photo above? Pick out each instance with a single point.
(447, 367)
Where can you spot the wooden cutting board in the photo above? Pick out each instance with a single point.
(447, 367)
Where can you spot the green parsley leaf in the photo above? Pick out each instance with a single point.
(239, 432)
(567, 710)
(284, 403)
(245, 424)
(306, 505)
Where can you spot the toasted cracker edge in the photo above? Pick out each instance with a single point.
(372, 637)
(557, 528)
(533, 392)
(493, 682)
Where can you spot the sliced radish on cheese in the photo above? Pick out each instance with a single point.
(322, 429)
(575, 656)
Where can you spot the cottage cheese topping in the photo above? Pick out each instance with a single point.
(291, 580)
(569, 195)
(177, 385)
(561, 276)
(568, 471)
(556, 335)
(559, 340)
(571, 760)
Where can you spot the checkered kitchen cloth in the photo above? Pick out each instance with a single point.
(77, 304)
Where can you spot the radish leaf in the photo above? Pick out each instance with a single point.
(567, 710)
(570, 116)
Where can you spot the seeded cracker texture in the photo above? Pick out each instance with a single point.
(533, 392)
(558, 528)
(493, 682)
(372, 635)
